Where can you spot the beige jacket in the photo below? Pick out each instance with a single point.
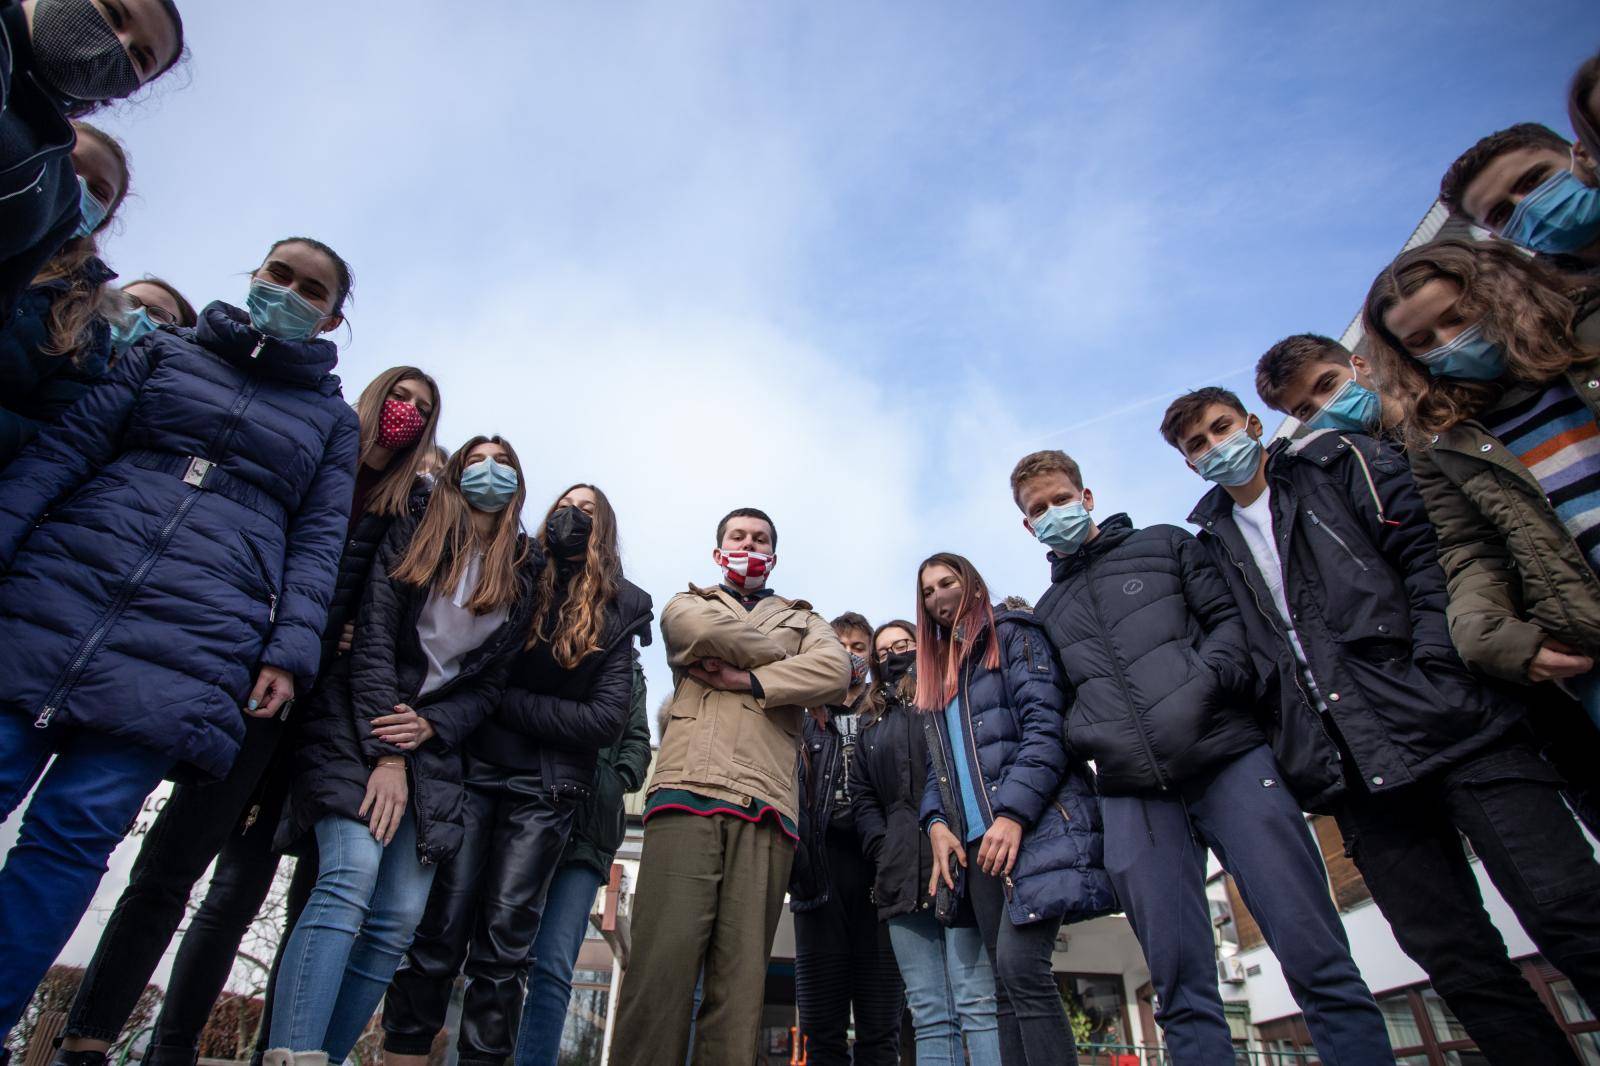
(730, 745)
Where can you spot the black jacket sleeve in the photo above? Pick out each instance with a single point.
(632, 753)
(464, 708)
(593, 722)
(1225, 648)
(866, 806)
(374, 680)
(1385, 497)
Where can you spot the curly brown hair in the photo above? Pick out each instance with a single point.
(580, 621)
(1526, 308)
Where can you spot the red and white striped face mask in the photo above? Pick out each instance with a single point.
(746, 570)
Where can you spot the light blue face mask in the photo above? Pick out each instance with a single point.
(1232, 461)
(1471, 357)
(281, 312)
(1063, 528)
(1561, 215)
(130, 326)
(489, 485)
(1353, 407)
(93, 212)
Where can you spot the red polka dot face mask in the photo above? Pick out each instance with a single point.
(399, 425)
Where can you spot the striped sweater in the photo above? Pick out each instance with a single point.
(1558, 440)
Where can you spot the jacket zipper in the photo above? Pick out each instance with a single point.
(1319, 524)
(266, 586)
(1122, 680)
(1283, 639)
(53, 701)
(972, 746)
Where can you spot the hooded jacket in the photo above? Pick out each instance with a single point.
(180, 527)
(336, 748)
(1362, 579)
(1023, 771)
(1152, 643)
(887, 779)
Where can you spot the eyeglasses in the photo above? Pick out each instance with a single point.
(904, 644)
(159, 315)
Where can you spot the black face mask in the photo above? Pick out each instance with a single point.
(568, 532)
(78, 53)
(896, 666)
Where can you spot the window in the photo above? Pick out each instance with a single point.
(1094, 1007)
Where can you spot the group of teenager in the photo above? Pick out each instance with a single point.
(1390, 615)
(343, 644)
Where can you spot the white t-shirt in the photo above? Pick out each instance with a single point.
(1255, 522)
(449, 632)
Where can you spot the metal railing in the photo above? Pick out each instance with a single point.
(1151, 1055)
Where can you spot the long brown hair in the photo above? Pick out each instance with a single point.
(581, 622)
(905, 689)
(389, 495)
(75, 310)
(942, 652)
(443, 543)
(1524, 307)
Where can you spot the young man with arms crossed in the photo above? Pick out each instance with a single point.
(1331, 558)
(719, 822)
(1156, 652)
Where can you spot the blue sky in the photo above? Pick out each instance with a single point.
(846, 262)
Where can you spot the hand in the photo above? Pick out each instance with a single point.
(274, 688)
(385, 802)
(1556, 660)
(945, 845)
(997, 852)
(405, 729)
(347, 637)
(716, 674)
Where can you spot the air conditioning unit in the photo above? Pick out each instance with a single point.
(1230, 971)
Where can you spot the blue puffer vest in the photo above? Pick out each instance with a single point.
(179, 527)
(1014, 715)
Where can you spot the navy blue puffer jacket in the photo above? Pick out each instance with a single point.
(1014, 715)
(36, 386)
(181, 525)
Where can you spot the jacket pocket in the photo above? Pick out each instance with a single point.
(263, 578)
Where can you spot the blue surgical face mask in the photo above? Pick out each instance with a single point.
(489, 485)
(1353, 407)
(130, 326)
(1232, 461)
(1471, 357)
(93, 212)
(1064, 527)
(1561, 215)
(281, 312)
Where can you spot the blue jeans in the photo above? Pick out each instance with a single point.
(555, 954)
(84, 806)
(1156, 856)
(357, 924)
(949, 988)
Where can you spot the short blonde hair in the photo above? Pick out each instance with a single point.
(1049, 461)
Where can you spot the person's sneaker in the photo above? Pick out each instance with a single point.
(282, 1056)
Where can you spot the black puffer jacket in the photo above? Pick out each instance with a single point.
(1362, 577)
(1150, 638)
(38, 188)
(360, 548)
(556, 721)
(336, 750)
(887, 777)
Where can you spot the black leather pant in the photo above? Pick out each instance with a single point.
(484, 910)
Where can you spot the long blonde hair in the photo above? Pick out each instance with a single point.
(441, 547)
(1524, 307)
(390, 494)
(581, 621)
